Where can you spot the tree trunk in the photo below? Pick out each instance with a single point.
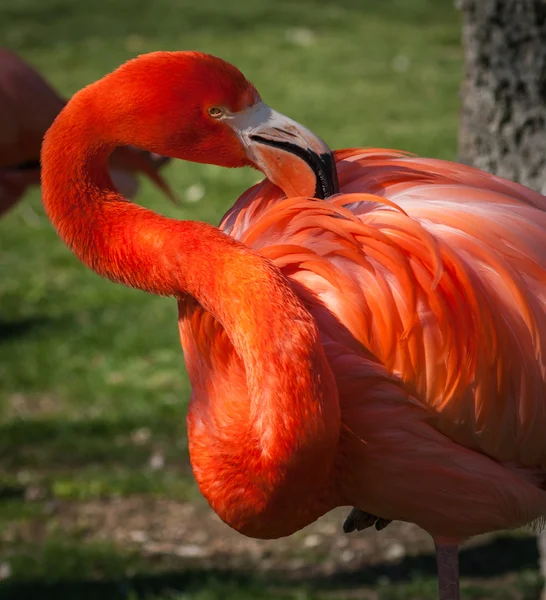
(504, 89)
(503, 117)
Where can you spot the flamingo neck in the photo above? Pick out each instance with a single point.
(278, 452)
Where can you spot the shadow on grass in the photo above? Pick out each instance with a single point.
(500, 556)
(10, 330)
(10, 491)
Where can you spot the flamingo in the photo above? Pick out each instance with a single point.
(378, 345)
(28, 106)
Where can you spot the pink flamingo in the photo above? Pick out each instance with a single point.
(382, 349)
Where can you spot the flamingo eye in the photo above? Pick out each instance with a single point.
(217, 112)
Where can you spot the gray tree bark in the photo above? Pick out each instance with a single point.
(504, 89)
(503, 118)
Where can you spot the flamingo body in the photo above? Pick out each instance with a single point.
(381, 347)
(424, 277)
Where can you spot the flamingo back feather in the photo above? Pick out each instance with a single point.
(435, 270)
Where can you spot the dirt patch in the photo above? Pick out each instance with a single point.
(169, 537)
(158, 537)
(25, 405)
(176, 534)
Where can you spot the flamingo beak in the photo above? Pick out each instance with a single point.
(291, 156)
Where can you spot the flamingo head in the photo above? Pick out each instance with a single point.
(197, 107)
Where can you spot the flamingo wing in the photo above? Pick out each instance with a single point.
(436, 274)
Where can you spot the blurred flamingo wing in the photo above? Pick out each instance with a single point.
(28, 106)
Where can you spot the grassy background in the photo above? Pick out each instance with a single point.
(94, 392)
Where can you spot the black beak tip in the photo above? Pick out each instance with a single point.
(326, 171)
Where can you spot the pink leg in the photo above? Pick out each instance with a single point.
(447, 559)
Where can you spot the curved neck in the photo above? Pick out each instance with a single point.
(293, 416)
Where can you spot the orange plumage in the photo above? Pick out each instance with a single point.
(28, 106)
(428, 286)
(382, 348)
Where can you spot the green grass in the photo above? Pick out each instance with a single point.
(93, 379)
(59, 559)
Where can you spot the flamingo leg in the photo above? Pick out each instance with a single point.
(447, 560)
